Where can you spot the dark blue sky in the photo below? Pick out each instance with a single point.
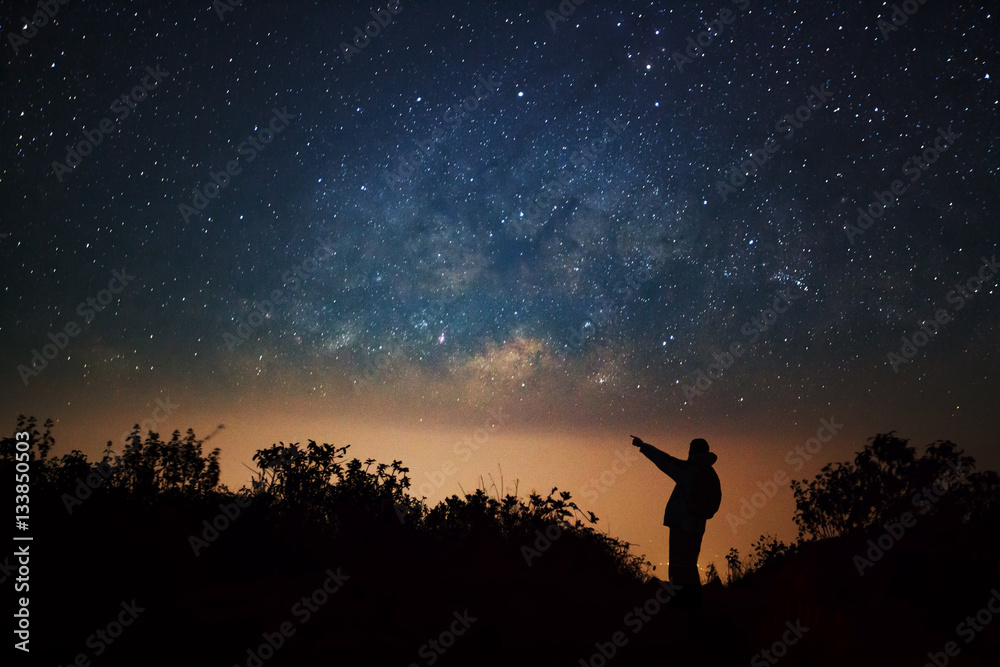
(633, 276)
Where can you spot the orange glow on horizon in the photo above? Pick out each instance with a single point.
(451, 445)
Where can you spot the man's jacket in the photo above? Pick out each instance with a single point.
(676, 514)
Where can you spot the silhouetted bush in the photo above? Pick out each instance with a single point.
(882, 482)
(768, 553)
(533, 567)
(150, 467)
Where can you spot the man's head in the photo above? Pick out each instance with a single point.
(698, 446)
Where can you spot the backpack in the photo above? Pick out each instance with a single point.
(706, 493)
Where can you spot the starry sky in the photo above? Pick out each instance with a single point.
(496, 238)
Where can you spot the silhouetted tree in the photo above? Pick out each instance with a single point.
(147, 468)
(881, 483)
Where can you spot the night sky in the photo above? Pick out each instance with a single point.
(490, 239)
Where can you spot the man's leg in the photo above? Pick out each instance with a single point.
(683, 568)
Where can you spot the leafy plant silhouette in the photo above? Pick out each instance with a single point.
(881, 482)
(312, 506)
(768, 552)
(151, 467)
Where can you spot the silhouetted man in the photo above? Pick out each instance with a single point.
(694, 500)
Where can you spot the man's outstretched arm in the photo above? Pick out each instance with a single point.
(665, 462)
